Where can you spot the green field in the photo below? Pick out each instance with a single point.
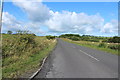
(95, 45)
(22, 53)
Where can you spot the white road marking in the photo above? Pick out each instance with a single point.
(89, 55)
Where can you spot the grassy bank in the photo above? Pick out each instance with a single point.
(95, 45)
(22, 53)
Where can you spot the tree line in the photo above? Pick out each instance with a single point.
(20, 32)
(77, 37)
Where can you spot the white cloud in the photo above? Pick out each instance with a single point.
(9, 22)
(36, 11)
(34, 28)
(74, 22)
(110, 27)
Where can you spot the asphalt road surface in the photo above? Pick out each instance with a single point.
(73, 61)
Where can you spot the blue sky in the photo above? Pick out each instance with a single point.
(91, 18)
(108, 10)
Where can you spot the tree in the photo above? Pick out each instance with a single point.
(19, 32)
(115, 39)
(9, 32)
(50, 37)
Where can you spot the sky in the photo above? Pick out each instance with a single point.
(56, 18)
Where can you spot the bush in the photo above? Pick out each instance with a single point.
(115, 39)
(50, 37)
(16, 44)
(102, 45)
(74, 38)
(77, 37)
(94, 40)
(115, 47)
(9, 32)
(105, 40)
(28, 38)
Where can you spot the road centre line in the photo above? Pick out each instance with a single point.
(89, 55)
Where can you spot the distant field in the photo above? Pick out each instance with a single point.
(95, 45)
(22, 53)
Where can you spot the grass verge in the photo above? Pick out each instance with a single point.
(93, 45)
(24, 60)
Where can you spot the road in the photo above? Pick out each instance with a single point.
(73, 61)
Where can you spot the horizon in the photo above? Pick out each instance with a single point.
(63, 34)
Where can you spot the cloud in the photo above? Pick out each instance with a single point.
(36, 11)
(74, 22)
(110, 27)
(35, 28)
(9, 22)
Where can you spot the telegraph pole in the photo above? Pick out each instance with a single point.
(1, 9)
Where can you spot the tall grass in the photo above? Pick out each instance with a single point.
(22, 53)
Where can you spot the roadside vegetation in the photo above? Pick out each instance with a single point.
(107, 44)
(23, 51)
(50, 37)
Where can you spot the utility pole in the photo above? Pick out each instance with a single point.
(1, 9)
